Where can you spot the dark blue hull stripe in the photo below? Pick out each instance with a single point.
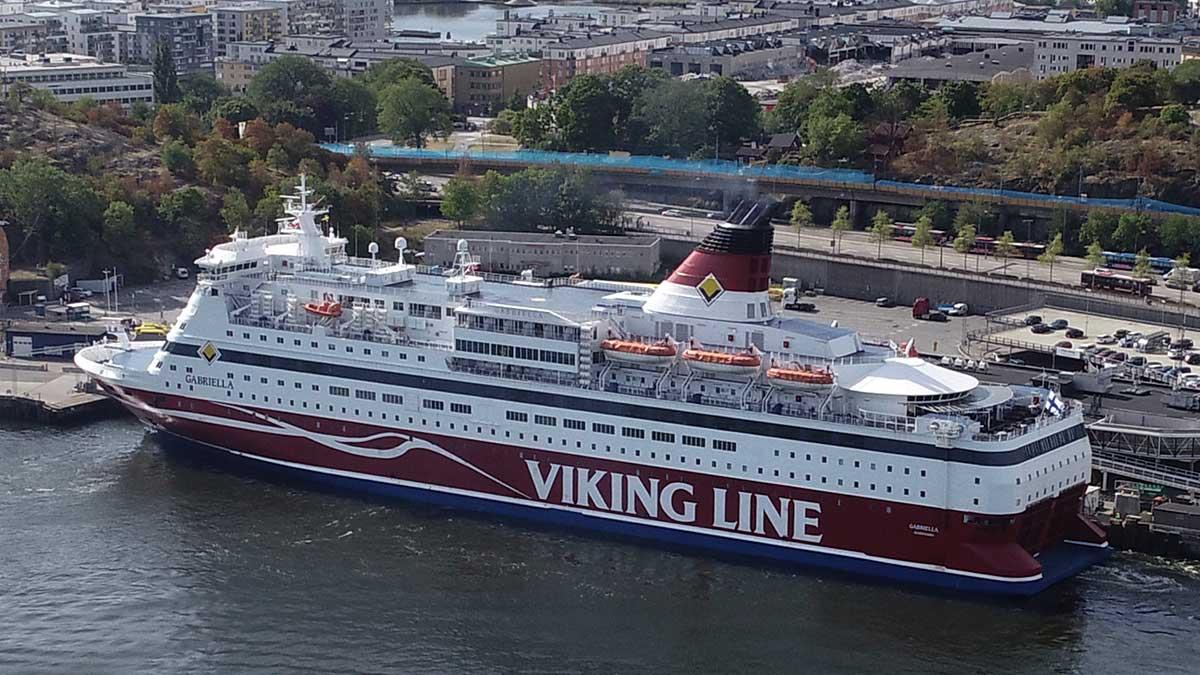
(1059, 563)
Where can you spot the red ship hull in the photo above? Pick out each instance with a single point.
(1017, 555)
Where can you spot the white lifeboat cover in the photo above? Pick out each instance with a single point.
(903, 376)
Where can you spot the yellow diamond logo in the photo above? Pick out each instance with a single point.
(210, 352)
(710, 289)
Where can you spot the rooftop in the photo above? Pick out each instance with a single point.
(601, 39)
(1004, 22)
(542, 237)
(53, 60)
(973, 67)
(502, 60)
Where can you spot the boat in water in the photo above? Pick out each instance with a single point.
(566, 401)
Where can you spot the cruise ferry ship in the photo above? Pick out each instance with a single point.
(692, 413)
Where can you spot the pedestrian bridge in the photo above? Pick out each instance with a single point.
(722, 174)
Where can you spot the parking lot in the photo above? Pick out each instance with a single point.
(891, 323)
(1149, 362)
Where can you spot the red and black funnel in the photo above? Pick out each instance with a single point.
(737, 252)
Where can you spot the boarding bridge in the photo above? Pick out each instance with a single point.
(1156, 449)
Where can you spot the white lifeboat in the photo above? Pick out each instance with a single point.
(659, 354)
(799, 377)
(742, 363)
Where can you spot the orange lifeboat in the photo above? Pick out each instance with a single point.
(722, 362)
(645, 353)
(327, 309)
(799, 377)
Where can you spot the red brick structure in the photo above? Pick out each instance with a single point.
(1156, 11)
(601, 54)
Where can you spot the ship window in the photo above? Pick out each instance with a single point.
(906, 471)
(632, 432)
(432, 404)
(367, 352)
(279, 340)
(331, 347)
(296, 385)
(262, 380)
(603, 428)
(338, 391)
(461, 408)
(855, 483)
(364, 395)
(976, 500)
(922, 494)
(349, 349)
(172, 367)
(278, 383)
(577, 425)
(245, 336)
(262, 338)
(246, 378)
(905, 492)
(695, 441)
(727, 446)
(393, 399)
(856, 463)
(514, 416)
(313, 345)
(977, 480)
(662, 436)
(922, 473)
(872, 487)
(316, 387)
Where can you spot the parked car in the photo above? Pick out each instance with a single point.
(1120, 333)
(1176, 354)
(1129, 340)
(1156, 366)
(1041, 329)
(1182, 343)
(1074, 333)
(1033, 320)
(804, 307)
(1138, 361)
(958, 309)
(1063, 344)
(1058, 324)
(1105, 353)
(1120, 357)
(884, 302)
(1106, 340)
(1184, 370)
(1193, 359)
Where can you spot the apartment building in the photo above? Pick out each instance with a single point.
(189, 34)
(601, 54)
(71, 77)
(1058, 54)
(483, 85)
(247, 22)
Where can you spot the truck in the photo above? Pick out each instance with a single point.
(924, 311)
(791, 300)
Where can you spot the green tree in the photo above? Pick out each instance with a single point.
(1095, 254)
(961, 98)
(177, 158)
(833, 139)
(675, 114)
(235, 110)
(1187, 81)
(1141, 264)
(1134, 87)
(166, 83)
(734, 115)
(1006, 246)
(791, 110)
(461, 200)
(841, 225)
(584, 111)
(1181, 274)
(1175, 233)
(384, 74)
(235, 211)
(881, 230)
(296, 90)
(175, 121)
(200, 92)
(119, 228)
(1099, 227)
(410, 111)
(52, 214)
(533, 127)
(940, 217)
(802, 216)
(964, 241)
(223, 162)
(1131, 231)
(353, 108)
(1050, 255)
(1174, 115)
(923, 234)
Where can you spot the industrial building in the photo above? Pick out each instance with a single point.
(630, 257)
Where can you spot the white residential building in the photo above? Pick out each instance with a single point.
(71, 77)
(1058, 54)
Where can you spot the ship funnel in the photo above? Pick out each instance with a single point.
(728, 276)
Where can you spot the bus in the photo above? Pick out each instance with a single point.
(987, 246)
(1107, 280)
(1126, 261)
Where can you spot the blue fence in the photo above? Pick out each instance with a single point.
(726, 169)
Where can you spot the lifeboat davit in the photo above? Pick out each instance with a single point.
(644, 353)
(327, 308)
(722, 362)
(799, 378)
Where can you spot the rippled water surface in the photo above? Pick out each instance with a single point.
(121, 554)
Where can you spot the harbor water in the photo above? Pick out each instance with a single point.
(470, 21)
(123, 553)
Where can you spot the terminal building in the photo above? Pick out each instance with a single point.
(622, 257)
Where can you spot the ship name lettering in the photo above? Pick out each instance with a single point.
(761, 514)
(632, 495)
(207, 381)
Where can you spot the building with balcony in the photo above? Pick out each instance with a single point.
(1060, 54)
(189, 34)
(247, 22)
(602, 54)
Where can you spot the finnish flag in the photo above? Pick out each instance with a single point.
(1054, 403)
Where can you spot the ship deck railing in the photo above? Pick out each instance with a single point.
(378, 337)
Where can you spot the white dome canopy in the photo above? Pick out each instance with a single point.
(903, 376)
